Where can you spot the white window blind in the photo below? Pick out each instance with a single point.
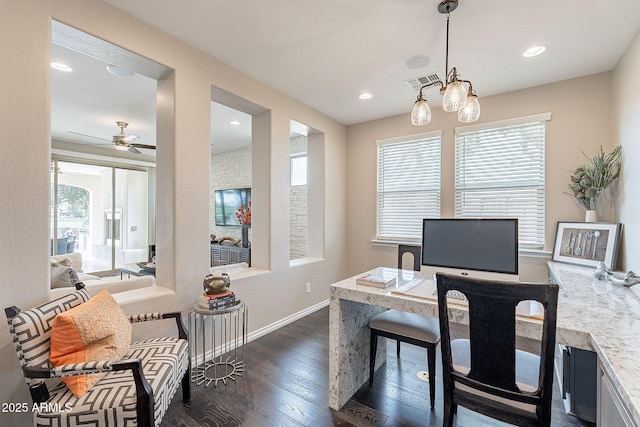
(499, 173)
(408, 185)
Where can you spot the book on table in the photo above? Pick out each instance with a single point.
(218, 301)
(377, 280)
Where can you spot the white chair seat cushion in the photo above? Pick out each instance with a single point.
(422, 328)
(112, 401)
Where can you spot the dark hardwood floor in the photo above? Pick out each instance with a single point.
(286, 384)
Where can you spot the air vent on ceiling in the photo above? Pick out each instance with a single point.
(417, 82)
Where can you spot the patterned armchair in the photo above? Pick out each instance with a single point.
(138, 388)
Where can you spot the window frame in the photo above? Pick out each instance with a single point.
(431, 189)
(298, 156)
(532, 185)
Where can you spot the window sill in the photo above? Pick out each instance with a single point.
(524, 252)
(303, 261)
(237, 271)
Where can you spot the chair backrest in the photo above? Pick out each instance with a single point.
(416, 251)
(492, 334)
(31, 329)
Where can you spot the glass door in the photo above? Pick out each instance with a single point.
(100, 211)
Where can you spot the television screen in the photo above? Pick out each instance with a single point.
(489, 245)
(228, 202)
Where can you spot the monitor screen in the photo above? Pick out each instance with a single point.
(489, 245)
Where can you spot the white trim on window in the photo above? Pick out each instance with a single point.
(500, 172)
(408, 185)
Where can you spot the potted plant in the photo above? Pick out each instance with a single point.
(244, 218)
(590, 180)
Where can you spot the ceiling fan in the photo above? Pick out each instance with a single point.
(121, 141)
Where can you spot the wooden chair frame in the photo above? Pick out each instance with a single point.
(492, 334)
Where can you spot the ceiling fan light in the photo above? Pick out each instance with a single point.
(471, 111)
(122, 146)
(455, 96)
(421, 113)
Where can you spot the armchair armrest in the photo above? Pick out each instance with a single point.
(182, 332)
(144, 392)
(81, 368)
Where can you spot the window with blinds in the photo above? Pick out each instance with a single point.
(499, 173)
(408, 185)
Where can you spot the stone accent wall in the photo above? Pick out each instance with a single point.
(298, 208)
(233, 170)
(228, 170)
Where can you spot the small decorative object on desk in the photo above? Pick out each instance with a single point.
(590, 180)
(216, 285)
(587, 243)
(602, 273)
(377, 280)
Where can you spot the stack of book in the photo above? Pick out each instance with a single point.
(217, 301)
(377, 280)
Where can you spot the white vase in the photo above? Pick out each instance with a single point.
(591, 216)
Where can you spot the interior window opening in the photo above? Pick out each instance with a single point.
(237, 138)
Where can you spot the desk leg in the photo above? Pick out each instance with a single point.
(349, 339)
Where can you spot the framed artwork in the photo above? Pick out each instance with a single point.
(587, 243)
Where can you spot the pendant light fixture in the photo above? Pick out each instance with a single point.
(457, 97)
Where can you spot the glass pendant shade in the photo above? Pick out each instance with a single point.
(455, 96)
(471, 111)
(421, 113)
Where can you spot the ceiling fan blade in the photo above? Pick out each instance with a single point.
(90, 136)
(148, 147)
(134, 150)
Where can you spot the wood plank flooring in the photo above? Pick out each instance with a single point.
(286, 384)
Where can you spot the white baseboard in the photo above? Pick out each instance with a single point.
(220, 349)
(285, 321)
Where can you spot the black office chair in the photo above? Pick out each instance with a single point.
(486, 373)
(406, 327)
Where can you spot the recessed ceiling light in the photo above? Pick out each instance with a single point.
(61, 67)
(534, 51)
(234, 123)
(365, 95)
(119, 71)
(418, 61)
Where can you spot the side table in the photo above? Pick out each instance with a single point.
(217, 343)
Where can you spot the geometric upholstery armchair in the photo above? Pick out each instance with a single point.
(136, 389)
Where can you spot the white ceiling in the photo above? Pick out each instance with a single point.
(325, 53)
(87, 102)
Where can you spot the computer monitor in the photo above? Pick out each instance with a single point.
(482, 248)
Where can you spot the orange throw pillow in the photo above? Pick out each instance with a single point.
(94, 331)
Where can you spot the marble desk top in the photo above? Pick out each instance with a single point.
(592, 315)
(608, 316)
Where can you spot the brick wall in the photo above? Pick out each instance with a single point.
(233, 170)
(298, 208)
(228, 171)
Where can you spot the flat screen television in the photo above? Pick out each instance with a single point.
(228, 202)
(482, 248)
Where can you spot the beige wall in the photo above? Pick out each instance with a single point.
(183, 153)
(580, 122)
(626, 131)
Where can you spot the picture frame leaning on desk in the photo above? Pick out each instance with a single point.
(587, 243)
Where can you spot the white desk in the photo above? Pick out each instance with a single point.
(591, 315)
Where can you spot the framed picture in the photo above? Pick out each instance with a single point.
(587, 243)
